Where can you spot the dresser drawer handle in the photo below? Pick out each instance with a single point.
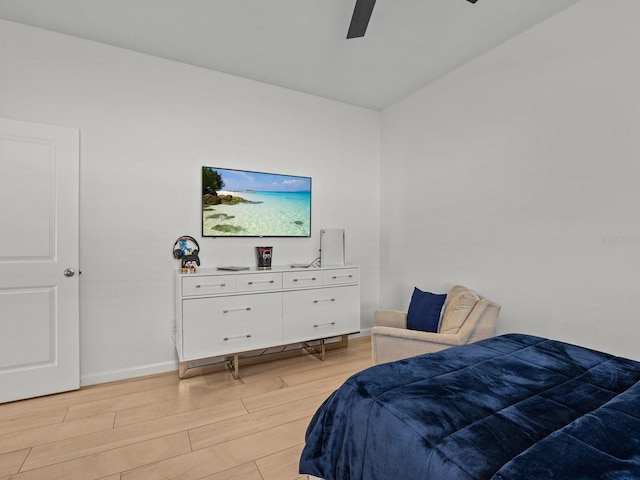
(310, 279)
(323, 324)
(335, 277)
(260, 281)
(212, 285)
(247, 335)
(325, 300)
(239, 309)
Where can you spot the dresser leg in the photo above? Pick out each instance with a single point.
(233, 365)
(317, 351)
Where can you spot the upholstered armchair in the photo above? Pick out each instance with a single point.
(466, 317)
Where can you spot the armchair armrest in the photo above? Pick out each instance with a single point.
(390, 318)
(447, 339)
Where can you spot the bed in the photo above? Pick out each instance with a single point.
(512, 407)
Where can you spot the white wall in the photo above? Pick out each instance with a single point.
(518, 175)
(515, 175)
(147, 126)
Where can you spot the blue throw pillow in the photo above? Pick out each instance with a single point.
(424, 310)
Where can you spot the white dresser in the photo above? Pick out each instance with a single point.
(221, 313)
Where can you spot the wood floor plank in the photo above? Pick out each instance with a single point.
(120, 402)
(283, 465)
(350, 365)
(252, 373)
(291, 394)
(224, 456)
(266, 442)
(246, 471)
(55, 433)
(11, 462)
(191, 466)
(240, 427)
(112, 461)
(21, 420)
(51, 453)
(196, 399)
(154, 393)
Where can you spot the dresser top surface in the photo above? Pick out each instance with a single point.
(273, 269)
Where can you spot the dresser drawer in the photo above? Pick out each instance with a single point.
(320, 313)
(319, 300)
(301, 279)
(253, 282)
(208, 285)
(341, 276)
(223, 325)
(305, 328)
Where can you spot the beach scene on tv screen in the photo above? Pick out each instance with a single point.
(255, 204)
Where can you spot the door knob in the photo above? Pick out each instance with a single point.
(69, 272)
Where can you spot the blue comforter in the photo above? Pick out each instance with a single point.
(510, 407)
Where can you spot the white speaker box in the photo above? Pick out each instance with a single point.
(332, 247)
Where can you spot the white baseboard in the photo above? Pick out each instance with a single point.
(126, 373)
(365, 332)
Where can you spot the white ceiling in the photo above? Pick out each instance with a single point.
(299, 44)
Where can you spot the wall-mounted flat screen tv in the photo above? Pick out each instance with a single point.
(242, 203)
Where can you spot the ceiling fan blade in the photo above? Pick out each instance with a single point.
(360, 19)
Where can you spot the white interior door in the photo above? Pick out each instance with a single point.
(39, 301)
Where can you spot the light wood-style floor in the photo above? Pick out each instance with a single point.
(209, 427)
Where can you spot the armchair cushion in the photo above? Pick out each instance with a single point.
(425, 309)
(460, 302)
